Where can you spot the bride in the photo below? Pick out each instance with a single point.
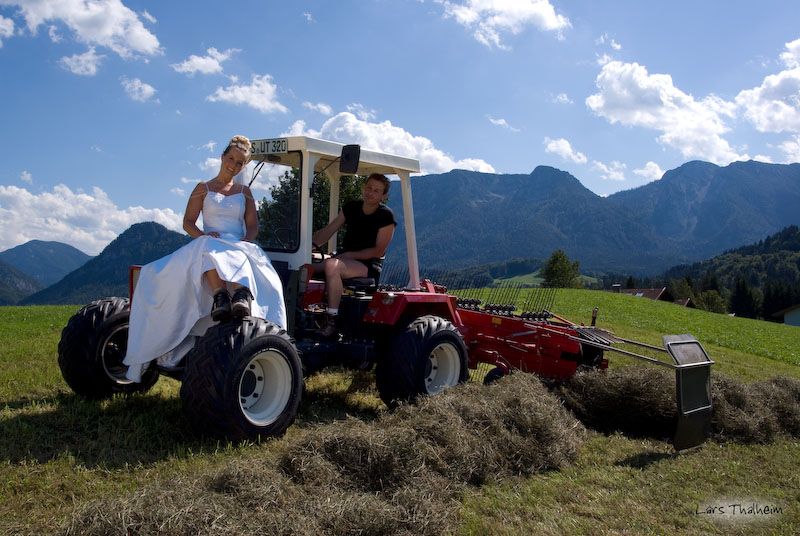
(175, 294)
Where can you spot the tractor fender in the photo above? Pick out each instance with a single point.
(393, 308)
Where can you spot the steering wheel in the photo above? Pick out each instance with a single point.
(287, 232)
(316, 259)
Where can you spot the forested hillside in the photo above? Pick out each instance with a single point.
(757, 280)
(46, 262)
(15, 285)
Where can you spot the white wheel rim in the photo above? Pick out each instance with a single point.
(443, 368)
(112, 352)
(265, 387)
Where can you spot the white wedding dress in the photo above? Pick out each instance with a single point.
(172, 301)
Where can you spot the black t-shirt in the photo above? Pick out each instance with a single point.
(362, 229)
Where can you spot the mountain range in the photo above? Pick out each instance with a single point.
(465, 218)
(107, 274)
(696, 211)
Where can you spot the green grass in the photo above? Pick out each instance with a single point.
(60, 453)
(535, 279)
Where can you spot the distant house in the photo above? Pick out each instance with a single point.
(791, 315)
(650, 293)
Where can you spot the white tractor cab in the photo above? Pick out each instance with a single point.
(312, 156)
(369, 316)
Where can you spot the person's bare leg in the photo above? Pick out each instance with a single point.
(336, 270)
(222, 299)
(214, 280)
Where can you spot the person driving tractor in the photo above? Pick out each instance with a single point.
(370, 228)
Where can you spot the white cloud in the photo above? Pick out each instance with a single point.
(85, 64)
(614, 172)
(210, 145)
(180, 192)
(603, 59)
(564, 149)
(347, 128)
(651, 172)
(774, 106)
(308, 16)
(148, 17)
(52, 31)
(562, 98)
(106, 23)
(210, 164)
(138, 90)
(204, 64)
(86, 221)
(6, 29)
(26, 177)
(791, 58)
(320, 107)
(792, 149)
(360, 111)
(260, 94)
(502, 123)
(605, 38)
(631, 96)
(488, 19)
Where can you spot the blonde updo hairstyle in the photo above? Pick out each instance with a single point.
(239, 142)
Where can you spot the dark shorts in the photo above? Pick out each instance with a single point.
(374, 267)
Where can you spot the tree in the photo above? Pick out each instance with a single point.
(279, 216)
(744, 300)
(631, 282)
(680, 289)
(560, 272)
(779, 295)
(711, 301)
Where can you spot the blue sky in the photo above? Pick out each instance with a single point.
(113, 109)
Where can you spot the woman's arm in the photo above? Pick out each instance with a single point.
(193, 208)
(250, 216)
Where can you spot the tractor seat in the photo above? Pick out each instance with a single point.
(359, 283)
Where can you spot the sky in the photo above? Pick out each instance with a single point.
(112, 110)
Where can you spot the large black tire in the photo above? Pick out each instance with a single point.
(423, 358)
(92, 347)
(243, 380)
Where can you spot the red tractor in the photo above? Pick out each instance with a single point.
(243, 379)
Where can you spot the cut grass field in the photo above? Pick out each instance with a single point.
(71, 466)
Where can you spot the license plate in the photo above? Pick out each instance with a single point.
(270, 146)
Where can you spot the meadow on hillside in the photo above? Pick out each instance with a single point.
(509, 459)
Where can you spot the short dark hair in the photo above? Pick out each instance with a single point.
(380, 177)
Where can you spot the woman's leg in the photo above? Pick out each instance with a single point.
(238, 306)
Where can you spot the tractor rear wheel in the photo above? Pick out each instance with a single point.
(92, 347)
(243, 380)
(423, 358)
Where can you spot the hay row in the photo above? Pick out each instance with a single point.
(403, 473)
(640, 402)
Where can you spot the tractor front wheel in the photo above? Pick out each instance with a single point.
(92, 347)
(243, 380)
(425, 357)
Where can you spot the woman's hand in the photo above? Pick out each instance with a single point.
(212, 234)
